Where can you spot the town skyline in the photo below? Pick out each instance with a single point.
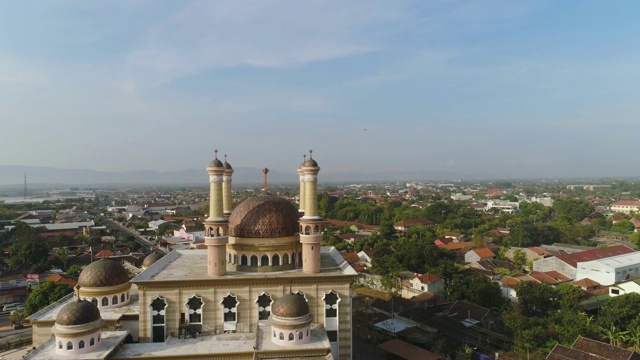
(509, 89)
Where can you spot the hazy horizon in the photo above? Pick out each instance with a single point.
(509, 89)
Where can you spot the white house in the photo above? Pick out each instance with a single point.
(610, 270)
(503, 205)
(625, 287)
(427, 282)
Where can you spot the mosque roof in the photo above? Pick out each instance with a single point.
(151, 259)
(103, 273)
(264, 216)
(290, 306)
(78, 312)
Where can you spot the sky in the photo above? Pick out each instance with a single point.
(483, 88)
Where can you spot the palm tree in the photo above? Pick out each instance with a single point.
(634, 338)
(616, 338)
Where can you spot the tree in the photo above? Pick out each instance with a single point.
(17, 317)
(74, 270)
(30, 253)
(45, 294)
(63, 255)
(536, 299)
(621, 312)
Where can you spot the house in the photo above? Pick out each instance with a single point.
(478, 254)
(404, 225)
(589, 349)
(567, 264)
(636, 224)
(470, 314)
(502, 205)
(508, 285)
(625, 287)
(586, 284)
(427, 282)
(625, 206)
(404, 350)
(616, 218)
(610, 270)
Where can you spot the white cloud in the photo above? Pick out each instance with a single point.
(264, 34)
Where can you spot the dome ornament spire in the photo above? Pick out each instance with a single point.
(77, 290)
(216, 152)
(311, 154)
(265, 171)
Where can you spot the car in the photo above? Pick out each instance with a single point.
(10, 307)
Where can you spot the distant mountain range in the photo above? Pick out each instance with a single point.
(13, 175)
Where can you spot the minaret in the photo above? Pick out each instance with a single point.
(311, 222)
(301, 174)
(216, 226)
(227, 200)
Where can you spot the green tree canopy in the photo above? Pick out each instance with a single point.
(44, 294)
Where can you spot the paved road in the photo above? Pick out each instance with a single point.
(141, 240)
(15, 335)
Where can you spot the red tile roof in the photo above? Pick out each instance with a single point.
(595, 254)
(428, 278)
(539, 251)
(484, 253)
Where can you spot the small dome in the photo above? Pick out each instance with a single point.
(151, 259)
(290, 306)
(103, 273)
(215, 163)
(227, 166)
(264, 216)
(78, 313)
(310, 163)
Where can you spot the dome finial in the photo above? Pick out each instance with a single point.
(77, 289)
(216, 152)
(265, 171)
(225, 157)
(310, 154)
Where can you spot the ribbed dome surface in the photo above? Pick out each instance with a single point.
(264, 216)
(215, 163)
(151, 259)
(290, 306)
(78, 313)
(103, 273)
(310, 163)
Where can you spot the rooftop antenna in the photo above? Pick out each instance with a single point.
(265, 171)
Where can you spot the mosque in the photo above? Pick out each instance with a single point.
(264, 288)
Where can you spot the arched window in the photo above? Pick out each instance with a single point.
(105, 301)
(194, 309)
(98, 337)
(59, 344)
(300, 335)
(81, 344)
(285, 259)
(264, 306)
(122, 298)
(94, 301)
(282, 336)
(92, 342)
(274, 335)
(331, 300)
(230, 312)
(158, 306)
(229, 257)
(264, 260)
(114, 300)
(235, 258)
(254, 260)
(294, 259)
(307, 230)
(275, 260)
(243, 259)
(69, 345)
(291, 338)
(316, 229)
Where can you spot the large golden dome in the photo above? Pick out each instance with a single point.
(78, 313)
(103, 273)
(264, 216)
